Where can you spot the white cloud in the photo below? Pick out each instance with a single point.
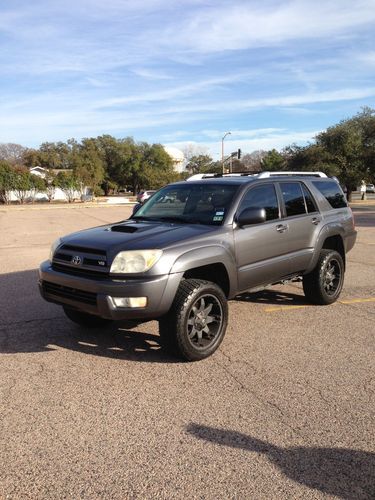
(241, 26)
(265, 142)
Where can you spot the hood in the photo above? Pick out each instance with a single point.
(135, 235)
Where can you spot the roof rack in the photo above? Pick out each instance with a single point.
(284, 173)
(259, 175)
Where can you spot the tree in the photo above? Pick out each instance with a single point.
(197, 164)
(50, 185)
(155, 167)
(22, 184)
(273, 161)
(111, 152)
(7, 180)
(252, 162)
(350, 145)
(193, 150)
(312, 157)
(12, 153)
(31, 158)
(56, 155)
(68, 184)
(87, 165)
(37, 185)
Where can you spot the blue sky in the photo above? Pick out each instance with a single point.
(184, 72)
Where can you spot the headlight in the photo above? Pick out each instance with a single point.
(137, 261)
(54, 245)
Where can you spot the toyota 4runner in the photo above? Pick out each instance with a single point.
(180, 261)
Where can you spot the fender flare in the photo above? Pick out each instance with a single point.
(328, 230)
(205, 256)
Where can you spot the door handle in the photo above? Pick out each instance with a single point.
(315, 221)
(281, 228)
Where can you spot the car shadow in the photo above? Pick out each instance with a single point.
(276, 297)
(30, 324)
(345, 473)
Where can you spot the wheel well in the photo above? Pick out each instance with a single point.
(216, 273)
(335, 243)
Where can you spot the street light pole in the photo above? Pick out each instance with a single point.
(222, 148)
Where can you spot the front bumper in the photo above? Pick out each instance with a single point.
(94, 296)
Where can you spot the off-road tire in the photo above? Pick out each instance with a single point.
(324, 284)
(196, 323)
(84, 319)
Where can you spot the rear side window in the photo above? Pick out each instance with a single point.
(262, 197)
(332, 193)
(309, 200)
(293, 198)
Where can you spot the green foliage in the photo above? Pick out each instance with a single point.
(350, 146)
(312, 157)
(274, 161)
(7, 180)
(199, 164)
(155, 168)
(87, 163)
(23, 186)
(346, 150)
(68, 184)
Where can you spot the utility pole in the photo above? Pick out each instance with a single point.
(222, 148)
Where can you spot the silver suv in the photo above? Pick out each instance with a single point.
(180, 262)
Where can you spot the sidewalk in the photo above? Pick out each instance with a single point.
(102, 203)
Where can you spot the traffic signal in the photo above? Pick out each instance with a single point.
(238, 154)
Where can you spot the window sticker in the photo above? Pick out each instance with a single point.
(218, 218)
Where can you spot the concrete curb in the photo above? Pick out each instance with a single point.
(10, 208)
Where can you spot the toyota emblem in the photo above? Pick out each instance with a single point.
(76, 260)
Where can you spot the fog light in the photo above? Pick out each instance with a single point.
(130, 301)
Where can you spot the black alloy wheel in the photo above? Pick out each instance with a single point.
(324, 284)
(196, 323)
(204, 321)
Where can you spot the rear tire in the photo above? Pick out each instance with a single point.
(324, 284)
(196, 323)
(84, 319)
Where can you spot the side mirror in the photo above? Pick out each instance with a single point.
(136, 207)
(251, 216)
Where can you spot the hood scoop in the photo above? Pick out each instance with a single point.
(124, 228)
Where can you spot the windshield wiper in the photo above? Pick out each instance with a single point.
(140, 217)
(172, 218)
(184, 220)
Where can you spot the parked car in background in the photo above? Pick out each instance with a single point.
(145, 195)
(370, 188)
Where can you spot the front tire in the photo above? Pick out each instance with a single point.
(84, 319)
(324, 284)
(196, 323)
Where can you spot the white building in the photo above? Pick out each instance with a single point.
(178, 158)
(39, 171)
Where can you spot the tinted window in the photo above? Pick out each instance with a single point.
(262, 197)
(309, 200)
(203, 203)
(293, 198)
(332, 192)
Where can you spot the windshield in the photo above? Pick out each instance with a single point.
(189, 203)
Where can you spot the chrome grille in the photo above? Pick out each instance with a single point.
(81, 261)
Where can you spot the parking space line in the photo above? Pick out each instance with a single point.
(284, 308)
(357, 301)
(346, 301)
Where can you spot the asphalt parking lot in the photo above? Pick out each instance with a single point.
(285, 408)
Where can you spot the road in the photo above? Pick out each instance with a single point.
(284, 409)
